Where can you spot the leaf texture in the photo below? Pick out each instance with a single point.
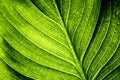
(60, 40)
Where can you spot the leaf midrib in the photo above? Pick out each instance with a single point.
(78, 65)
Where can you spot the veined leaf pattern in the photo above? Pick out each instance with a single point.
(60, 40)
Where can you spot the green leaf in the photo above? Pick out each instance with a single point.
(59, 39)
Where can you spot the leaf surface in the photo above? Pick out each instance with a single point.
(59, 39)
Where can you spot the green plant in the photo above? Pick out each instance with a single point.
(60, 39)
